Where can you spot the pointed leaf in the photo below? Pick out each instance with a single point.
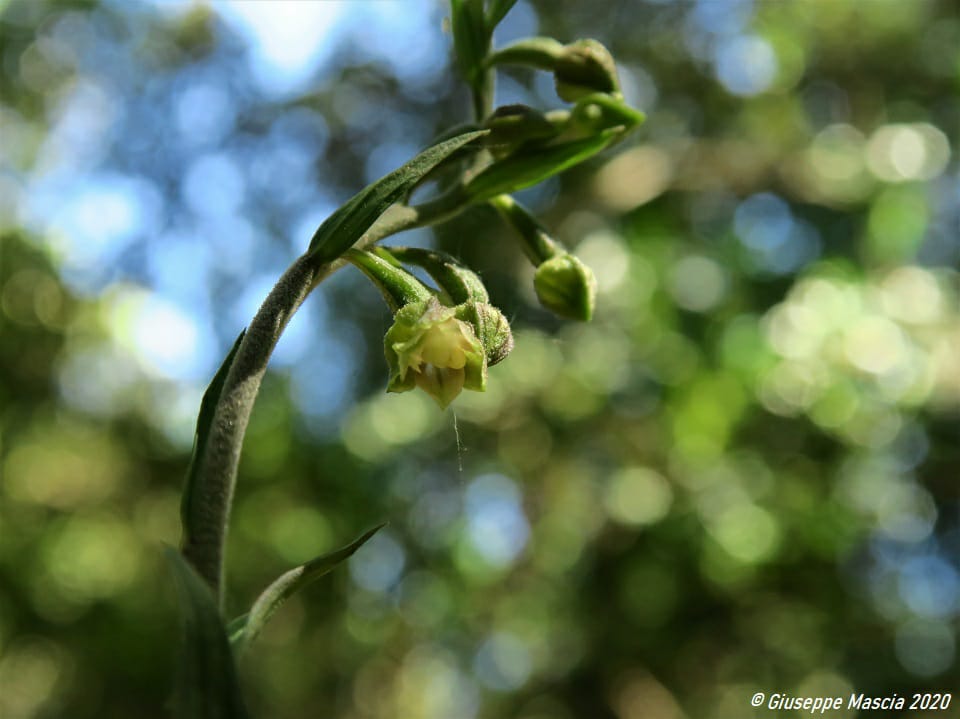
(347, 224)
(528, 167)
(470, 36)
(285, 586)
(496, 12)
(208, 404)
(206, 686)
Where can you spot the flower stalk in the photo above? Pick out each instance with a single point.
(207, 522)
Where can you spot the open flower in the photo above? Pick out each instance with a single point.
(428, 347)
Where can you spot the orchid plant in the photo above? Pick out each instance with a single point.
(443, 339)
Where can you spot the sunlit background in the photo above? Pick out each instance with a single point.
(741, 476)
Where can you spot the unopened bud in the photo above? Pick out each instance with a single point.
(566, 287)
(585, 66)
(539, 52)
(491, 328)
(598, 111)
(513, 125)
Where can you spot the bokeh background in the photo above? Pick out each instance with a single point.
(741, 476)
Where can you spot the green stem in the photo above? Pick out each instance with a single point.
(205, 546)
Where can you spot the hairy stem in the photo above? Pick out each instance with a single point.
(206, 538)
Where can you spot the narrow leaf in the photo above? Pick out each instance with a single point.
(470, 36)
(496, 12)
(206, 686)
(347, 224)
(285, 586)
(526, 168)
(208, 405)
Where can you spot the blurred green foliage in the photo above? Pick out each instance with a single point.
(741, 476)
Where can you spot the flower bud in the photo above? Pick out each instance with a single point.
(539, 52)
(566, 287)
(512, 125)
(584, 67)
(597, 112)
(428, 347)
(491, 328)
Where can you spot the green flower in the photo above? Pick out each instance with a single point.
(428, 347)
(465, 288)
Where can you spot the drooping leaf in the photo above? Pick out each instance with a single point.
(204, 420)
(347, 224)
(244, 629)
(206, 685)
(526, 168)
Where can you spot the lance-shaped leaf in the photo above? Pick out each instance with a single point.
(470, 36)
(245, 629)
(206, 685)
(496, 11)
(528, 167)
(188, 510)
(347, 224)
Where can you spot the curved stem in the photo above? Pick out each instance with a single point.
(205, 543)
(217, 478)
